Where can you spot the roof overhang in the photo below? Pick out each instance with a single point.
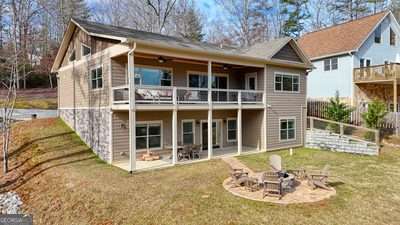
(253, 60)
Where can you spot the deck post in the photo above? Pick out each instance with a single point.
(239, 124)
(174, 136)
(395, 105)
(132, 112)
(174, 127)
(210, 120)
(265, 129)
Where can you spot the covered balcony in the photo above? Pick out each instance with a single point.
(162, 82)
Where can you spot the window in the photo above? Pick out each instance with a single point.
(231, 130)
(201, 81)
(188, 132)
(97, 78)
(85, 50)
(365, 62)
(392, 37)
(148, 135)
(331, 64)
(327, 64)
(72, 56)
(378, 34)
(287, 129)
(153, 76)
(334, 63)
(288, 83)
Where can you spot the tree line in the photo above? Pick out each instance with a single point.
(39, 24)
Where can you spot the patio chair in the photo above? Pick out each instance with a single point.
(275, 162)
(319, 179)
(196, 149)
(238, 177)
(185, 153)
(252, 184)
(272, 185)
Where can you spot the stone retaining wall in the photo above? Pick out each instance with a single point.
(326, 140)
(92, 126)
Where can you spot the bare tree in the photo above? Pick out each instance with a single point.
(162, 10)
(247, 20)
(11, 85)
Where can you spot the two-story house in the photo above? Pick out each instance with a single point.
(338, 53)
(142, 100)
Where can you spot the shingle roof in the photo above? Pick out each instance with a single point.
(263, 50)
(267, 49)
(104, 29)
(340, 38)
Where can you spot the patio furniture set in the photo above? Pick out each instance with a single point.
(277, 181)
(189, 152)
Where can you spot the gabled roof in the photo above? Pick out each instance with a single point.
(263, 51)
(340, 39)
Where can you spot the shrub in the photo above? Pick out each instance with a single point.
(337, 111)
(375, 113)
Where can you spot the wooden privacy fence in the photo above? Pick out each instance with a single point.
(317, 108)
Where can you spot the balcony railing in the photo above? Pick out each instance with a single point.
(377, 73)
(185, 95)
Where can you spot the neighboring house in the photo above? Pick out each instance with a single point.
(336, 51)
(175, 93)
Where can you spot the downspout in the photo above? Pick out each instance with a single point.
(132, 113)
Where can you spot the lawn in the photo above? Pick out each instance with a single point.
(35, 103)
(62, 182)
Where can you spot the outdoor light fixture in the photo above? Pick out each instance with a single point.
(161, 59)
(225, 67)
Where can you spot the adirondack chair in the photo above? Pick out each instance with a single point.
(319, 179)
(238, 177)
(272, 185)
(275, 162)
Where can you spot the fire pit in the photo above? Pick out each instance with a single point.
(288, 180)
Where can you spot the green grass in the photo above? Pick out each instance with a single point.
(49, 103)
(64, 183)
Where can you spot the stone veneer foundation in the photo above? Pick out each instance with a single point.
(92, 126)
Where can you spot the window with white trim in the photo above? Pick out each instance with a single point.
(85, 50)
(72, 56)
(378, 34)
(188, 132)
(153, 76)
(287, 129)
(331, 64)
(365, 62)
(148, 135)
(286, 82)
(231, 130)
(96, 77)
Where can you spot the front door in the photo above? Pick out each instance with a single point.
(251, 81)
(215, 134)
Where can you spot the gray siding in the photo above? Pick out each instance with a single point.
(287, 53)
(284, 105)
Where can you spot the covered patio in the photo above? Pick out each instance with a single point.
(166, 158)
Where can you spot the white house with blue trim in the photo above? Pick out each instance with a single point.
(336, 51)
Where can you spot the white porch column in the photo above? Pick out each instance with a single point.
(210, 140)
(174, 129)
(239, 125)
(265, 129)
(132, 112)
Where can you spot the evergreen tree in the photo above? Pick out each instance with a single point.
(295, 13)
(192, 25)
